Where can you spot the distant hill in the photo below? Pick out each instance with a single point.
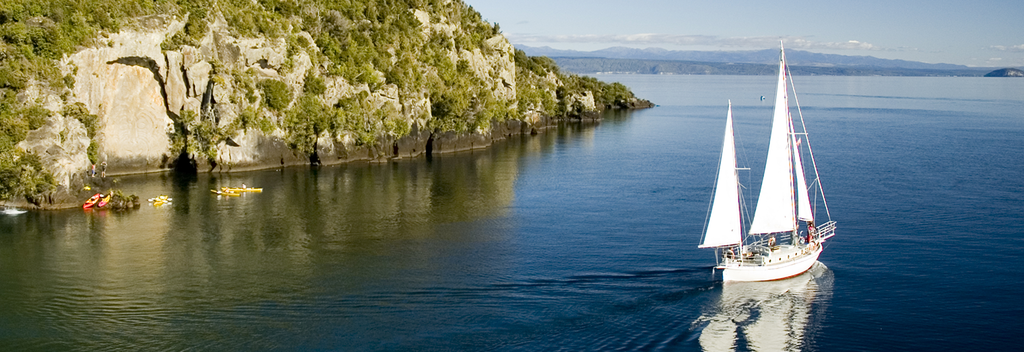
(841, 64)
(1006, 72)
(585, 65)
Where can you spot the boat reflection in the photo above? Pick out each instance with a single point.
(768, 316)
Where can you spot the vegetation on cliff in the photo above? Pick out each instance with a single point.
(367, 71)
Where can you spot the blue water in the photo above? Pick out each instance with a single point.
(583, 238)
(925, 177)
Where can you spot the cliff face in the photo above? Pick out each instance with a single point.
(139, 91)
(121, 83)
(321, 85)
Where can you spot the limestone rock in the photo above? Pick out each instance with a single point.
(261, 53)
(337, 88)
(190, 56)
(257, 150)
(119, 81)
(135, 123)
(296, 77)
(175, 82)
(62, 144)
(198, 76)
(192, 104)
(585, 100)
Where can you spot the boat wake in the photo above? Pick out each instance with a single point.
(13, 211)
(767, 316)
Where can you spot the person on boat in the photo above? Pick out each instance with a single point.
(771, 241)
(810, 230)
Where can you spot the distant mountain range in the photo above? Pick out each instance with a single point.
(657, 60)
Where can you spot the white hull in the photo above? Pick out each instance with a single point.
(784, 269)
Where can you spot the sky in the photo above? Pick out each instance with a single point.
(985, 33)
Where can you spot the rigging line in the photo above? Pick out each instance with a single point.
(711, 202)
(742, 154)
(809, 150)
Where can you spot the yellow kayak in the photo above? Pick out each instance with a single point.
(225, 193)
(160, 200)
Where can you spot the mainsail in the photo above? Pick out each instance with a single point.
(724, 222)
(775, 210)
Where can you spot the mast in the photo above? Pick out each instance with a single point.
(810, 151)
(775, 210)
(724, 224)
(803, 200)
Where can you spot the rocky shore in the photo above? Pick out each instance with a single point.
(415, 145)
(189, 91)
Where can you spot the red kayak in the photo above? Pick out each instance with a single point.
(92, 201)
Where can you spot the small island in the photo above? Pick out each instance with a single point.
(1006, 72)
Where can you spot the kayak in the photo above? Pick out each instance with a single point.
(92, 201)
(225, 193)
(248, 189)
(160, 200)
(103, 202)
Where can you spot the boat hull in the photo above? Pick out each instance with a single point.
(790, 268)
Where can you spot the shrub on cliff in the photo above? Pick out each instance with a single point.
(605, 94)
(305, 122)
(276, 94)
(20, 173)
(91, 122)
(23, 174)
(196, 136)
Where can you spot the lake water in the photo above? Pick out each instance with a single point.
(583, 238)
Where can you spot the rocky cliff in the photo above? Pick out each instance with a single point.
(237, 87)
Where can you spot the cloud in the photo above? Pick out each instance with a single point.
(1012, 48)
(692, 40)
(848, 45)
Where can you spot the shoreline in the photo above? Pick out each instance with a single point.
(403, 148)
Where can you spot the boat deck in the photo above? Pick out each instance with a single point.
(763, 255)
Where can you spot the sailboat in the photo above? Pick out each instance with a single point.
(782, 239)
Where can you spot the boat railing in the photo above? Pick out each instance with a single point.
(755, 260)
(754, 255)
(827, 230)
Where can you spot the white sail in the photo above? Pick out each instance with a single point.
(775, 210)
(724, 222)
(802, 200)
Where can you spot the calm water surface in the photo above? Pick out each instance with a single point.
(583, 238)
